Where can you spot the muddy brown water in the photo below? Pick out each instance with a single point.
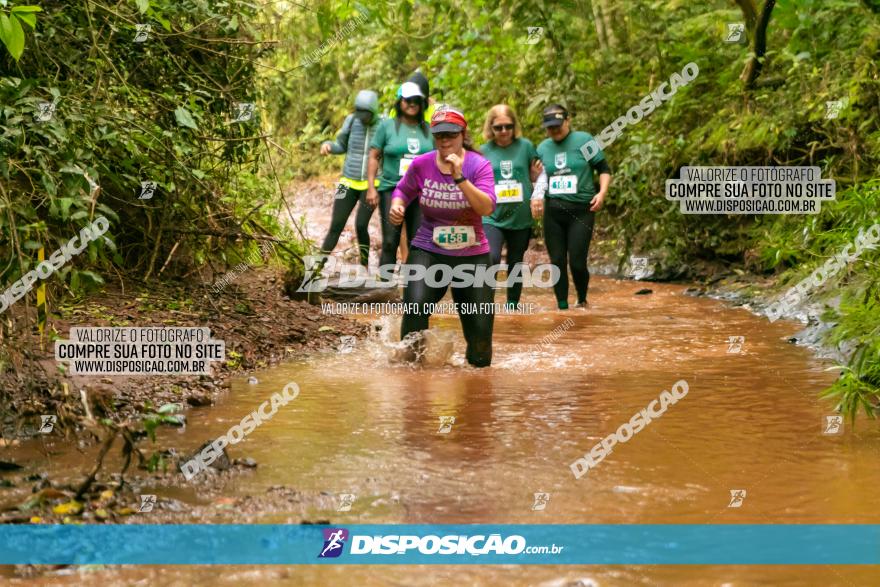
(361, 425)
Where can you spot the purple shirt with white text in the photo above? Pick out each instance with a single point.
(442, 202)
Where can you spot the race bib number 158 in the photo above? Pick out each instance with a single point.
(454, 237)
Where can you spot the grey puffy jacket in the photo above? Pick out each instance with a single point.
(355, 136)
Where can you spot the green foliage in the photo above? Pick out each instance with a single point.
(11, 29)
(156, 462)
(120, 113)
(858, 325)
(475, 56)
(167, 414)
(162, 110)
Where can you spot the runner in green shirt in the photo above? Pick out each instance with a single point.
(516, 166)
(397, 142)
(420, 80)
(572, 200)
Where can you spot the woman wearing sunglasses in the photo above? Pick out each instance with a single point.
(398, 141)
(572, 201)
(516, 166)
(455, 188)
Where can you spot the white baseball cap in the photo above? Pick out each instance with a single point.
(410, 89)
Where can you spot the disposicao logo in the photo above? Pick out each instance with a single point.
(433, 544)
(334, 542)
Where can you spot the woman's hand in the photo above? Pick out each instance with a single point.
(372, 197)
(537, 208)
(456, 163)
(395, 214)
(535, 170)
(596, 202)
(325, 148)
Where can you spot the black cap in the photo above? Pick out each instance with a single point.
(554, 115)
(420, 80)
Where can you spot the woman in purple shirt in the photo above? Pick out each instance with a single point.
(456, 188)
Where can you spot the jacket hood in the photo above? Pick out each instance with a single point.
(367, 100)
(420, 80)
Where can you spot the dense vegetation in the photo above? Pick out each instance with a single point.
(162, 110)
(126, 111)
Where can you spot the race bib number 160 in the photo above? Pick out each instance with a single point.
(563, 184)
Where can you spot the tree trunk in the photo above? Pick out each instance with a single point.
(622, 28)
(753, 67)
(600, 24)
(608, 20)
(750, 13)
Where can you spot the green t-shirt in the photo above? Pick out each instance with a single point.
(569, 174)
(513, 188)
(399, 148)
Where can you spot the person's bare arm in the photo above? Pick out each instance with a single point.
(479, 200)
(537, 201)
(599, 198)
(372, 169)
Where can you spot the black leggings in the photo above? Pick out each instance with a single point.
(342, 208)
(391, 233)
(517, 243)
(476, 325)
(568, 229)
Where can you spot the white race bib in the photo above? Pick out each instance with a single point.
(454, 237)
(405, 162)
(563, 184)
(508, 191)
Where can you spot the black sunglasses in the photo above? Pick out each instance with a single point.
(446, 135)
(501, 127)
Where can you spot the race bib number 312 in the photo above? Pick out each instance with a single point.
(507, 192)
(454, 237)
(405, 162)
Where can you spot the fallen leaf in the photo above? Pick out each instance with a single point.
(71, 507)
(40, 498)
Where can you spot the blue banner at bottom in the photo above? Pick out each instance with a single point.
(602, 544)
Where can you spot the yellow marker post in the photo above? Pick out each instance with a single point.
(42, 312)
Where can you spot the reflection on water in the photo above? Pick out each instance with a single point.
(381, 432)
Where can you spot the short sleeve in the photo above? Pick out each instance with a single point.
(484, 180)
(533, 152)
(378, 141)
(598, 156)
(408, 187)
(539, 150)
